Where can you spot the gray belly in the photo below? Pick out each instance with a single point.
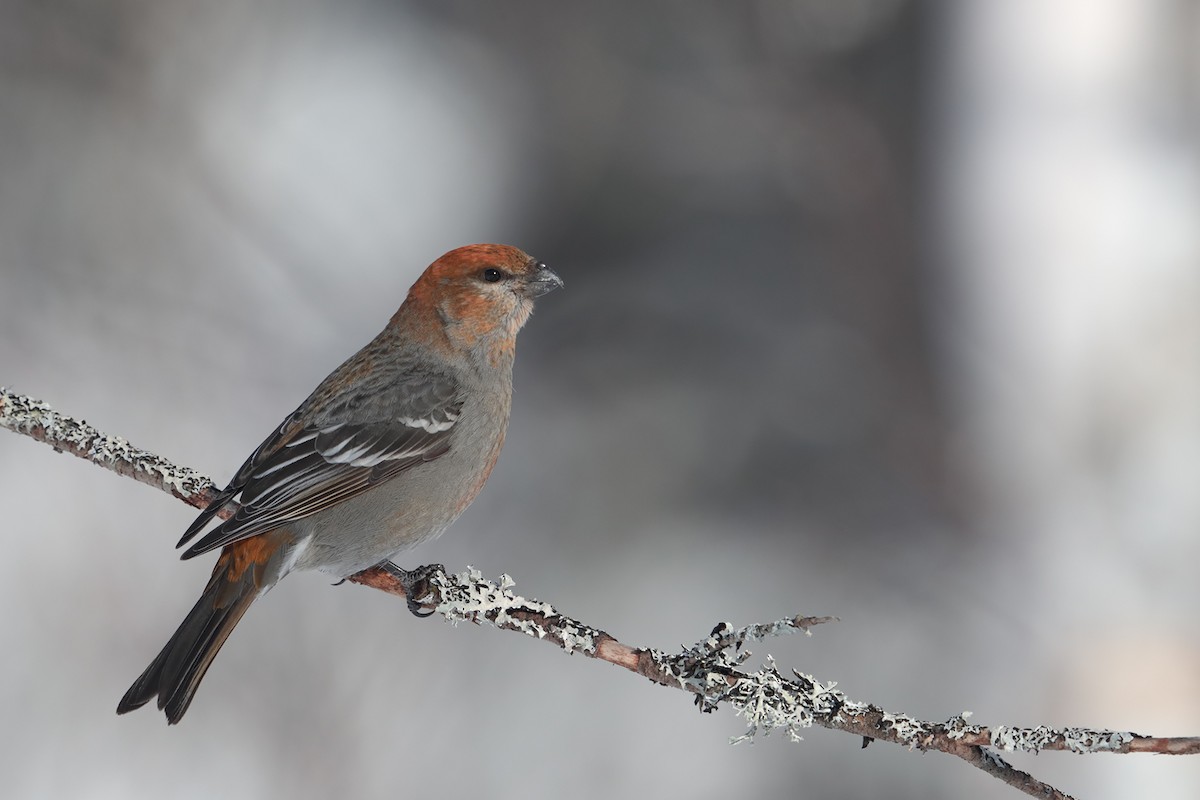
(413, 507)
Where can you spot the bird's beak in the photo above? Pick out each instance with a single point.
(543, 280)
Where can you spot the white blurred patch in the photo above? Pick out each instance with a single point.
(359, 149)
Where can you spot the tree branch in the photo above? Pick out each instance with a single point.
(22, 414)
(710, 670)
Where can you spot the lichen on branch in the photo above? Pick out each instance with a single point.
(711, 670)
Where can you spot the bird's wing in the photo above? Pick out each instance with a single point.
(301, 469)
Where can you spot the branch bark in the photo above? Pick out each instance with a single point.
(711, 670)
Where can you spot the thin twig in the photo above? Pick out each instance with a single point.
(710, 670)
(22, 414)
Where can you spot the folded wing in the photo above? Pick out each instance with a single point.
(302, 469)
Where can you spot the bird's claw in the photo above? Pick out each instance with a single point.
(416, 585)
(417, 609)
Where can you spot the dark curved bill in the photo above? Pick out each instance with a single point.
(542, 281)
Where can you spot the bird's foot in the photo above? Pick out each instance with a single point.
(417, 586)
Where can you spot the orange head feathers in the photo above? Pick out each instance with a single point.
(481, 294)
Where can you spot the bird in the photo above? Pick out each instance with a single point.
(387, 452)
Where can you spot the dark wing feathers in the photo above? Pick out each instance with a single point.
(302, 469)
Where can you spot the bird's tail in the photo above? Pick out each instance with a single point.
(176, 672)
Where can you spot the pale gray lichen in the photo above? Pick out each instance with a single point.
(26, 415)
(768, 701)
(1083, 740)
(1075, 740)
(666, 667)
(724, 637)
(468, 596)
(957, 728)
(765, 699)
(1031, 740)
(909, 731)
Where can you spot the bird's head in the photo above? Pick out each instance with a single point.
(481, 295)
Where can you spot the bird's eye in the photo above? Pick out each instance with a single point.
(491, 274)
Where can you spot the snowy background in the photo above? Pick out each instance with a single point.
(884, 310)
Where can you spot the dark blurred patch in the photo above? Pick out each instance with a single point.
(731, 201)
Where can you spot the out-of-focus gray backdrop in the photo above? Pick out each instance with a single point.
(880, 309)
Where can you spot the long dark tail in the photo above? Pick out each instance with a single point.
(176, 672)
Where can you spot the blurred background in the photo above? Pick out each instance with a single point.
(882, 309)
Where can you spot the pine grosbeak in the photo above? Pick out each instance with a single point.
(387, 452)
